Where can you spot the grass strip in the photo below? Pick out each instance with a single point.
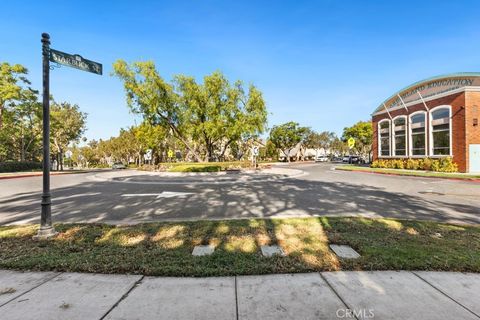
(410, 172)
(164, 249)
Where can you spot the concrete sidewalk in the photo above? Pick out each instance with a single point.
(329, 295)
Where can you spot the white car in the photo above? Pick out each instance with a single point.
(118, 165)
(321, 159)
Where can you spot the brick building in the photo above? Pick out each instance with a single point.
(436, 117)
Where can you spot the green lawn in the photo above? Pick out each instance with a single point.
(165, 248)
(410, 172)
(201, 166)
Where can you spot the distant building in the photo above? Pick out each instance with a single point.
(299, 152)
(436, 117)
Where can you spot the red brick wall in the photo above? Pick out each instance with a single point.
(472, 110)
(459, 146)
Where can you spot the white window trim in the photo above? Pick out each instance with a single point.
(410, 142)
(379, 140)
(430, 130)
(393, 148)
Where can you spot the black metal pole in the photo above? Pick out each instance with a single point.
(46, 229)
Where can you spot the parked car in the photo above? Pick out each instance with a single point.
(321, 159)
(118, 165)
(353, 160)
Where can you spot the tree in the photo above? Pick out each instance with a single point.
(269, 151)
(12, 80)
(338, 147)
(317, 140)
(362, 132)
(155, 138)
(207, 118)
(67, 125)
(27, 126)
(286, 136)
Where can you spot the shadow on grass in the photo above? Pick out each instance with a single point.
(165, 248)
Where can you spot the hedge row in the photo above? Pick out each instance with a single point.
(12, 166)
(428, 164)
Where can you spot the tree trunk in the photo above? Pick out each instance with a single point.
(222, 154)
(60, 162)
(181, 138)
(1, 116)
(22, 152)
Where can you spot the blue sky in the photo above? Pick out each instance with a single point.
(324, 64)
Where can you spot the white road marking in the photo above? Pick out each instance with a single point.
(164, 194)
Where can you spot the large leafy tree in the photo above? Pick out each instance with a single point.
(27, 129)
(316, 140)
(13, 84)
(68, 124)
(286, 136)
(362, 132)
(207, 118)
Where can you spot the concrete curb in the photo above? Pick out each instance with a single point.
(473, 180)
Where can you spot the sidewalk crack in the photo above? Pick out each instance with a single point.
(336, 293)
(38, 285)
(236, 298)
(136, 284)
(445, 294)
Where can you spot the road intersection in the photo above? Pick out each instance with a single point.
(318, 190)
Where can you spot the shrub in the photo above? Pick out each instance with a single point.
(398, 164)
(412, 164)
(14, 166)
(435, 165)
(427, 164)
(447, 165)
(379, 164)
(194, 168)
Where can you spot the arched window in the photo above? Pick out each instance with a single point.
(384, 138)
(440, 128)
(418, 134)
(400, 136)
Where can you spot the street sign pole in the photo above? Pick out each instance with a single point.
(46, 228)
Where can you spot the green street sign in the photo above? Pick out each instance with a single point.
(75, 61)
(351, 142)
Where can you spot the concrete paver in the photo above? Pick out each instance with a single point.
(14, 284)
(461, 287)
(393, 295)
(344, 251)
(179, 298)
(205, 250)
(70, 296)
(286, 296)
(270, 251)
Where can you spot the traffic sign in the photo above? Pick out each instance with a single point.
(148, 155)
(170, 153)
(351, 142)
(255, 151)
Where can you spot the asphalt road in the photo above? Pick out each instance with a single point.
(135, 197)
